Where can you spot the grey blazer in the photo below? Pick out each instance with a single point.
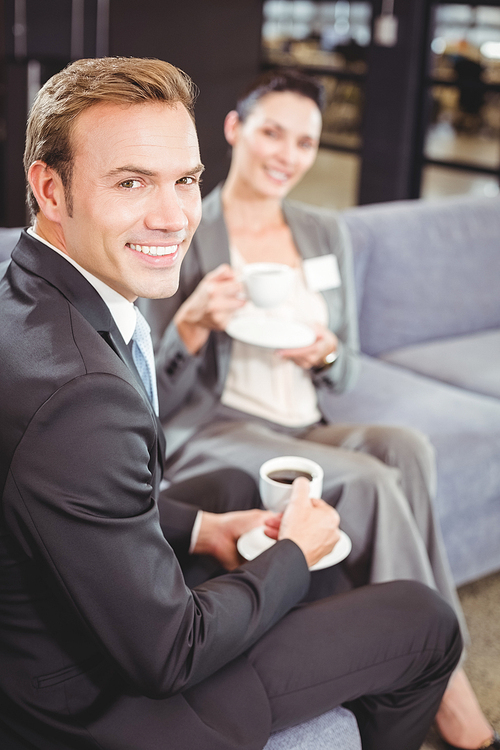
(189, 386)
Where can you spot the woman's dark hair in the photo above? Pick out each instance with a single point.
(271, 81)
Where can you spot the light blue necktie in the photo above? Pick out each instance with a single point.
(143, 355)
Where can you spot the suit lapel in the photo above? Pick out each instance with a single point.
(305, 232)
(39, 259)
(311, 239)
(212, 234)
(35, 257)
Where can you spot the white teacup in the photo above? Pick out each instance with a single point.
(267, 284)
(275, 492)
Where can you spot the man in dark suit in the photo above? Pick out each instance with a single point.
(102, 644)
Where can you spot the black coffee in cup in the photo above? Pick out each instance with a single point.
(288, 476)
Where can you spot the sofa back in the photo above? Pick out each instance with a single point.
(8, 241)
(425, 270)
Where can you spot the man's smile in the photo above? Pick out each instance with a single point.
(154, 249)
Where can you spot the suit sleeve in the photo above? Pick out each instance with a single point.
(79, 500)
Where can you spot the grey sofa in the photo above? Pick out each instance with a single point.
(428, 285)
(335, 730)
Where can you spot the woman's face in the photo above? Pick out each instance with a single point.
(276, 144)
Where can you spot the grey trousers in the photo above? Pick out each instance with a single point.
(381, 479)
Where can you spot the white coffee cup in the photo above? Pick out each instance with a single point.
(276, 494)
(267, 284)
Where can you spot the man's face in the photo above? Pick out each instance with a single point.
(136, 196)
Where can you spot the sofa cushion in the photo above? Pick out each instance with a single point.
(464, 428)
(430, 264)
(335, 730)
(8, 241)
(471, 362)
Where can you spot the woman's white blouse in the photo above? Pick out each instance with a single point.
(260, 382)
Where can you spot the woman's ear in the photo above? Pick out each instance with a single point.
(48, 190)
(231, 126)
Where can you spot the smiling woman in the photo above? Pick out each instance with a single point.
(275, 145)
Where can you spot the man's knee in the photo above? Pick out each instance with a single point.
(424, 611)
(234, 489)
(224, 489)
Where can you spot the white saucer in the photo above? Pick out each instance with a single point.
(251, 544)
(270, 332)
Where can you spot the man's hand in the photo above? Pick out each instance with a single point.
(219, 533)
(210, 307)
(313, 355)
(309, 522)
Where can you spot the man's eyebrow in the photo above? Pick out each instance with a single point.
(131, 168)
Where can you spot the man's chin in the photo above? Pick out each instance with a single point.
(161, 289)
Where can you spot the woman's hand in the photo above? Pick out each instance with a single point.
(210, 307)
(313, 355)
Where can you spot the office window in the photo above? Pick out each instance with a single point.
(462, 142)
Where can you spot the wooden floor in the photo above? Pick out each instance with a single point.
(481, 603)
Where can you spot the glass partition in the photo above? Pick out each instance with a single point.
(462, 140)
(329, 39)
(330, 35)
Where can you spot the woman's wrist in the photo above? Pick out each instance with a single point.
(326, 362)
(193, 335)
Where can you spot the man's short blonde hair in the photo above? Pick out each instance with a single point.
(84, 83)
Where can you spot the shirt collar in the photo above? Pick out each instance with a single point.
(121, 309)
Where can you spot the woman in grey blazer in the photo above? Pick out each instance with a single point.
(225, 402)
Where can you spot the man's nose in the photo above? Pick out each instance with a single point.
(166, 211)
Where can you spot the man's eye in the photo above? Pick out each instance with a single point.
(188, 180)
(306, 145)
(129, 184)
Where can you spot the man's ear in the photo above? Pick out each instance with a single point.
(231, 126)
(48, 191)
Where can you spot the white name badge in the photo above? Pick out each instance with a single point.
(322, 272)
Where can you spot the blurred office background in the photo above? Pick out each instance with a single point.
(413, 86)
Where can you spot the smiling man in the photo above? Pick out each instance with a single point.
(102, 643)
(130, 204)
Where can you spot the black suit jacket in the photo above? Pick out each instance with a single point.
(101, 643)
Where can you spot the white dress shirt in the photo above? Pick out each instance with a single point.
(259, 381)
